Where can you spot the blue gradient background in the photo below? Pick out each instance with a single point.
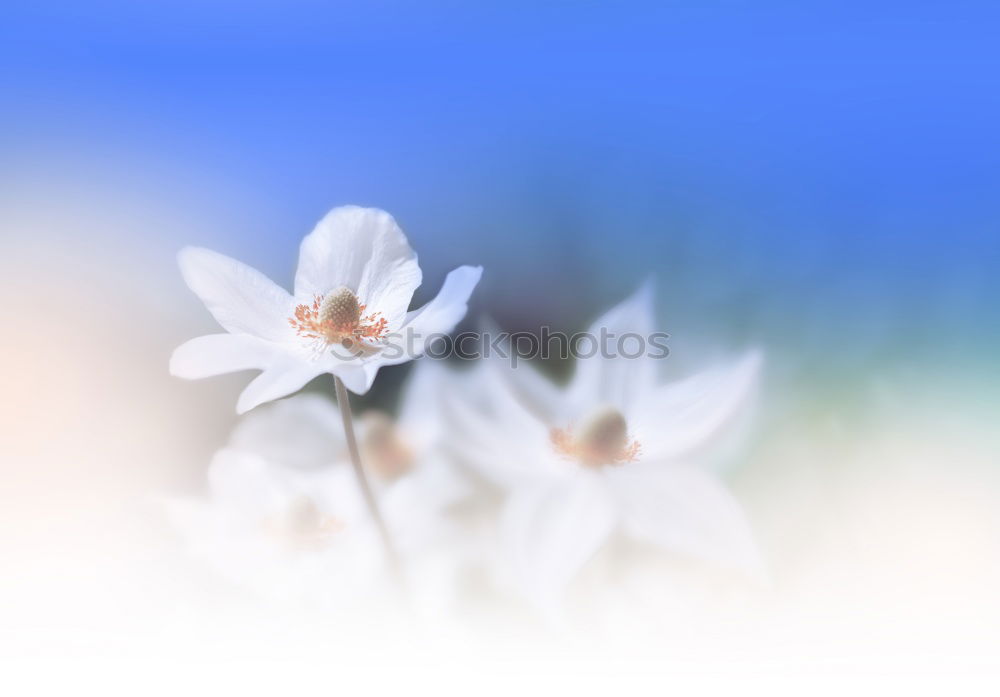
(819, 179)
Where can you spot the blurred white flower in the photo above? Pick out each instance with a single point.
(407, 453)
(613, 452)
(285, 518)
(348, 315)
(300, 433)
(401, 452)
(293, 537)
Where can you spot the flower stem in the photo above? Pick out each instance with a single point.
(352, 445)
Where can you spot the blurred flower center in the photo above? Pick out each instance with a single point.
(601, 439)
(338, 318)
(302, 525)
(385, 452)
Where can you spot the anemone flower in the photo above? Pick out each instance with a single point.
(406, 450)
(402, 451)
(291, 536)
(282, 519)
(348, 315)
(615, 452)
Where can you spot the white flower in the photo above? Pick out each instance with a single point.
(292, 537)
(285, 517)
(348, 315)
(614, 452)
(400, 453)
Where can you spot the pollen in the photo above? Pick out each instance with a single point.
(602, 439)
(340, 308)
(338, 318)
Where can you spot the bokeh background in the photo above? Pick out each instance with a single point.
(815, 179)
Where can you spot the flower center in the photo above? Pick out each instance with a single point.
(385, 452)
(338, 318)
(602, 439)
(340, 308)
(301, 525)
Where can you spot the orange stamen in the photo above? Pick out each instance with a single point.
(578, 449)
(308, 324)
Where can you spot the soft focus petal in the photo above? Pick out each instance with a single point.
(334, 489)
(495, 435)
(242, 300)
(609, 376)
(234, 533)
(533, 390)
(420, 414)
(216, 354)
(536, 393)
(281, 379)
(245, 483)
(675, 418)
(413, 507)
(364, 250)
(436, 483)
(508, 408)
(550, 532)
(301, 432)
(688, 511)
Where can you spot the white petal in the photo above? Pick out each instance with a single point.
(334, 490)
(478, 442)
(302, 432)
(216, 354)
(364, 250)
(608, 377)
(245, 483)
(282, 378)
(437, 317)
(686, 510)
(536, 393)
(496, 436)
(357, 376)
(675, 418)
(551, 532)
(420, 409)
(413, 507)
(447, 309)
(242, 300)
(436, 482)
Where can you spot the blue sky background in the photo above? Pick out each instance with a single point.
(817, 178)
